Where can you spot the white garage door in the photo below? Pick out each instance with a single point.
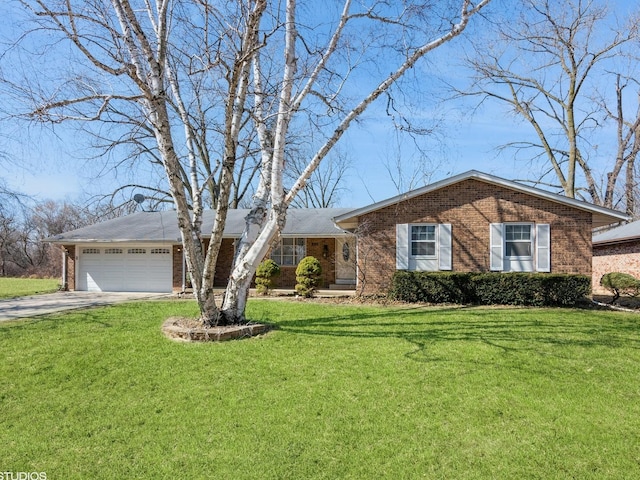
(144, 268)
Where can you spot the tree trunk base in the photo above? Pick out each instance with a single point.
(223, 319)
(193, 330)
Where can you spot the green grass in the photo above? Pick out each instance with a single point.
(334, 392)
(20, 287)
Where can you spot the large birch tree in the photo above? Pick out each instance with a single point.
(277, 65)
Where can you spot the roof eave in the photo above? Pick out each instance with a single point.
(603, 220)
(601, 216)
(613, 241)
(76, 241)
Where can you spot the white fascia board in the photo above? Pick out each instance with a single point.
(602, 215)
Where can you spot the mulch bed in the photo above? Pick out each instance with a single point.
(623, 303)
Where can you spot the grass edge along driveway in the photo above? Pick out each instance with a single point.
(334, 392)
(21, 287)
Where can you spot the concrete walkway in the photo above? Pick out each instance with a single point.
(27, 307)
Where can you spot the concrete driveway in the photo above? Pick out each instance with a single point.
(27, 307)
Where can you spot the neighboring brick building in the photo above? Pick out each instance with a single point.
(470, 222)
(616, 250)
(474, 222)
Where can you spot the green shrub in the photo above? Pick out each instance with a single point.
(533, 289)
(431, 287)
(266, 273)
(490, 288)
(620, 284)
(566, 290)
(308, 275)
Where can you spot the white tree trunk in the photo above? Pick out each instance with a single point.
(257, 239)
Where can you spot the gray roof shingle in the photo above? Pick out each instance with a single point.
(163, 226)
(624, 233)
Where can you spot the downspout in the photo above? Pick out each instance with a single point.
(184, 273)
(357, 244)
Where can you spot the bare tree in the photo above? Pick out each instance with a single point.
(545, 68)
(274, 66)
(268, 215)
(23, 227)
(8, 226)
(628, 142)
(327, 183)
(134, 51)
(410, 171)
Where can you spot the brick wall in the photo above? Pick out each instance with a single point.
(470, 206)
(177, 268)
(319, 247)
(314, 246)
(223, 266)
(621, 257)
(225, 260)
(70, 267)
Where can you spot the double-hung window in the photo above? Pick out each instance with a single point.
(518, 240)
(289, 251)
(520, 247)
(423, 240)
(423, 247)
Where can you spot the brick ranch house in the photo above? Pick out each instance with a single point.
(616, 250)
(468, 222)
(474, 222)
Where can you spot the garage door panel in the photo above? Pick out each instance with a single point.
(132, 269)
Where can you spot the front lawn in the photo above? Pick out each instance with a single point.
(20, 287)
(334, 392)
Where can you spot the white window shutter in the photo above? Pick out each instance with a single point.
(402, 246)
(496, 256)
(444, 247)
(543, 247)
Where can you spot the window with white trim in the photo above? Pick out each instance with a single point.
(423, 247)
(423, 240)
(112, 251)
(518, 240)
(160, 251)
(90, 251)
(289, 251)
(137, 251)
(520, 247)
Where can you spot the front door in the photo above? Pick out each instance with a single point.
(345, 261)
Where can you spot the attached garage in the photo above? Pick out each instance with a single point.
(142, 252)
(124, 268)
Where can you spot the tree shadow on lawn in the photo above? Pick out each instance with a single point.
(514, 330)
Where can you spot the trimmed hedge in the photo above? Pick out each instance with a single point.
(491, 288)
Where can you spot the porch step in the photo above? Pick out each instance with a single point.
(342, 286)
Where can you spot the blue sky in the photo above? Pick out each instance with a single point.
(50, 165)
(49, 168)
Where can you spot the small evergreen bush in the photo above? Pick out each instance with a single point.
(308, 275)
(620, 284)
(266, 274)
